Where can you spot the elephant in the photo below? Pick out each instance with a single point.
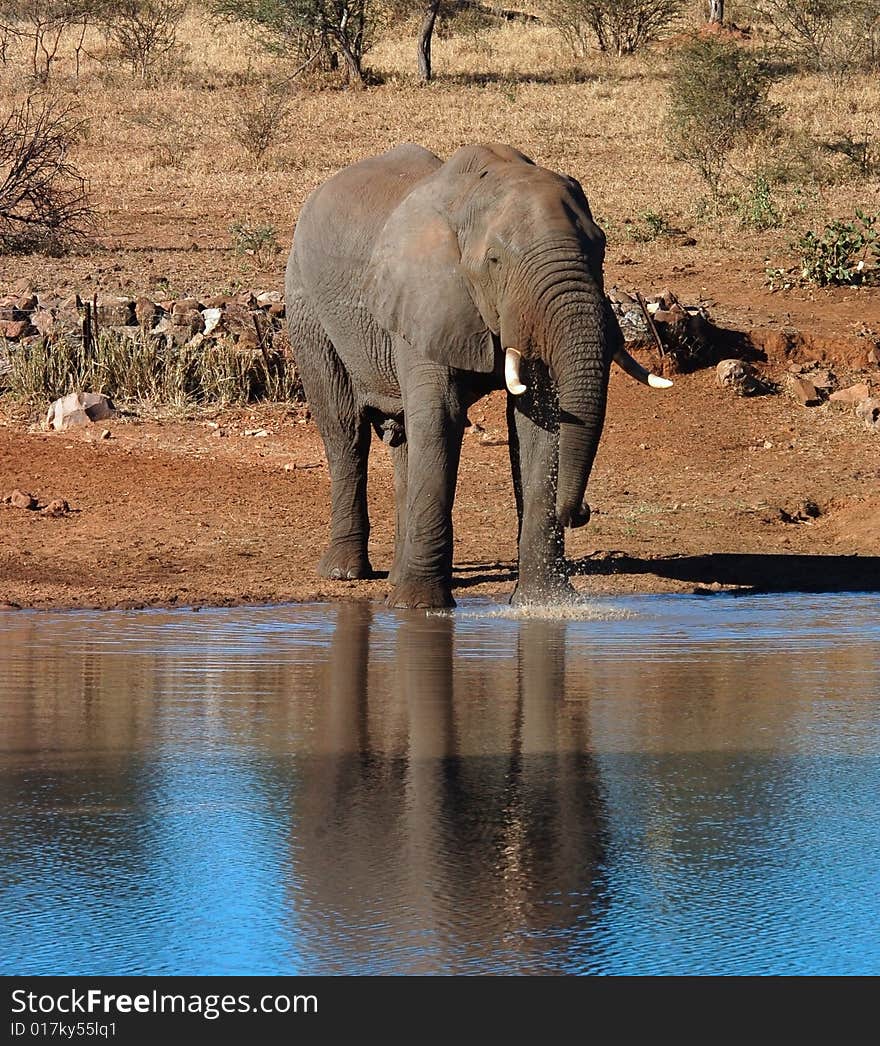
(416, 286)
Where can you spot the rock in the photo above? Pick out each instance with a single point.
(685, 241)
(850, 397)
(187, 314)
(57, 507)
(115, 311)
(237, 318)
(44, 321)
(147, 313)
(211, 318)
(869, 411)
(804, 391)
(247, 341)
(269, 297)
(23, 286)
(174, 334)
(738, 376)
(14, 329)
(822, 379)
(21, 499)
(79, 408)
(184, 305)
(874, 355)
(619, 297)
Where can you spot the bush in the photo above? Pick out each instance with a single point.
(307, 29)
(649, 226)
(256, 118)
(844, 253)
(718, 100)
(617, 26)
(143, 31)
(44, 204)
(259, 242)
(756, 205)
(830, 36)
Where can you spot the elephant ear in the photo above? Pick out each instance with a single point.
(415, 287)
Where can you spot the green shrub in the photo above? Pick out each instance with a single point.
(256, 241)
(843, 253)
(649, 226)
(718, 99)
(833, 37)
(756, 205)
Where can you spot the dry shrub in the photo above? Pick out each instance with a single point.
(257, 118)
(44, 204)
(143, 32)
(832, 37)
(617, 27)
(42, 25)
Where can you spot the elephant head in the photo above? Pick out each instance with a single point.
(489, 253)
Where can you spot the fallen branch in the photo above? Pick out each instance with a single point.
(649, 319)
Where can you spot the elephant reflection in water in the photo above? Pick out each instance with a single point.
(452, 811)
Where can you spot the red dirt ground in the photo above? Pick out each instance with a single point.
(686, 492)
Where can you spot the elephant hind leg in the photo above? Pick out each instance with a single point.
(345, 431)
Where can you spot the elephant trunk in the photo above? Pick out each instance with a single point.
(582, 397)
(578, 351)
(568, 327)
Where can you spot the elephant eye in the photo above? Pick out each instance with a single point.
(493, 259)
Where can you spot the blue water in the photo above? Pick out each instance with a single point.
(665, 785)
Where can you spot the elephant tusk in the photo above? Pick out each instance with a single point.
(511, 372)
(635, 370)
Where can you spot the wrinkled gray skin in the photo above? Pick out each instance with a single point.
(407, 279)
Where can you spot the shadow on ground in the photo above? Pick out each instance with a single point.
(758, 573)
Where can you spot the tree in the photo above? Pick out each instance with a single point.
(311, 27)
(43, 23)
(716, 12)
(426, 32)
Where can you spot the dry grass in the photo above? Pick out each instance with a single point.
(166, 174)
(145, 370)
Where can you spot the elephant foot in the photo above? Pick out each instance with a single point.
(420, 595)
(344, 564)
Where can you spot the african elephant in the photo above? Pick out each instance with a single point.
(413, 288)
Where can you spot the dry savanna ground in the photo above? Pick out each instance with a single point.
(692, 488)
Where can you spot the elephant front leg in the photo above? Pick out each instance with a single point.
(422, 572)
(534, 456)
(400, 459)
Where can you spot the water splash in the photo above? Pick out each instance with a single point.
(576, 610)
